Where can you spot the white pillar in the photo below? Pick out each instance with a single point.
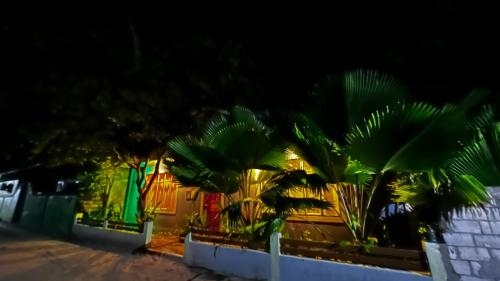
(105, 224)
(435, 258)
(275, 256)
(188, 256)
(148, 231)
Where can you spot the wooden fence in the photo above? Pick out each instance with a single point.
(407, 259)
(232, 239)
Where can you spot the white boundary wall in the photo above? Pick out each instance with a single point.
(125, 239)
(276, 267)
(9, 201)
(227, 260)
(298, 269)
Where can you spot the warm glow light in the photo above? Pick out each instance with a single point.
(257, 172)
(163, 168)
(290, 155)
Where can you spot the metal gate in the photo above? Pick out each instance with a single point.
(49, 214)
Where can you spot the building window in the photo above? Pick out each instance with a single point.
(332, 214)
(162, 198)
(315, 215)
(8, 187)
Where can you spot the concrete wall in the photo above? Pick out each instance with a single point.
(177, 222)
(8, 205)
(227, 260)
(123, 239)
(276, 267)
(298, 269)
(473, 242)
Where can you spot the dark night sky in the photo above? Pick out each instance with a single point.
(433, 46)
(439, 49)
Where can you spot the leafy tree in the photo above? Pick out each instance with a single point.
(141, 97)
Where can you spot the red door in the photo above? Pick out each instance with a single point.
(211, 206)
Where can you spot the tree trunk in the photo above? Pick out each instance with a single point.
(141, 174)
(375, 183)
(143, 192)
(108, 194)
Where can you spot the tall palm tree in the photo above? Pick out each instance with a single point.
(385, 133)
(278, 204)
(235, 155)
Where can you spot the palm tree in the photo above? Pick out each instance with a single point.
(235, 156)
(439, 192)
(277, 203)
(481, 156)
(385, 133)
(435, 194)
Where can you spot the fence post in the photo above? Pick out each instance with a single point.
(436, 261)
(275, 256)
(188, 256)
(148, 231)
(105, 224)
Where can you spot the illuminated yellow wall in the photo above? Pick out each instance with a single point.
(333, 215)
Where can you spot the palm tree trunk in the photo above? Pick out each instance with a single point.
(347, 210)
(374, 185)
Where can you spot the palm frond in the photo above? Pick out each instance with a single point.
(379, 138)
(249, 147)
(409, 192)
(202, 166)
(233, 212)
(368, 91)
(286, 204)
(414, 138)
(469, 191)
(181, 149)
(483, 119)
(287, 180)
(232, 144)
(212, 128)
(437, 196)
(274, 159)
(480, 158)
(357, 173)
(242, 114)
(324, 155)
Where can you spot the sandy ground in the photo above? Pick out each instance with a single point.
(25, 257)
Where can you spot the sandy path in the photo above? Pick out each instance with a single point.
(29, 257)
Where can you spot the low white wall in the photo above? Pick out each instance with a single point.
(8, 203)
(298, 269)
(129, 240)
(276, 267)
(227, 260)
